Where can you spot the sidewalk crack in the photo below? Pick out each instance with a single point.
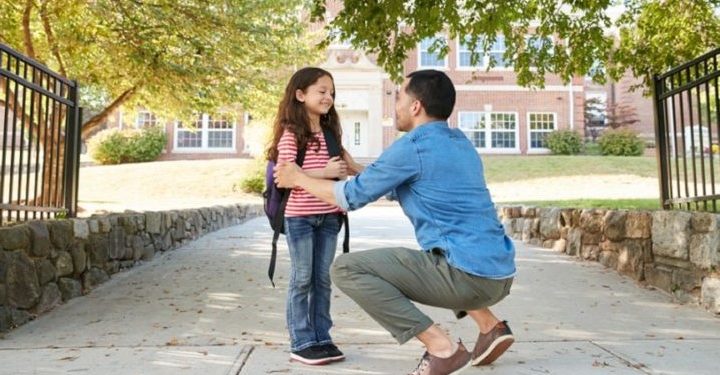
(241, 360)
(637, 366)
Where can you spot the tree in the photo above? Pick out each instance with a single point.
(654, 34)
(173, 57)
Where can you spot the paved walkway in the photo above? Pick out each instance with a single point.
(208, 309)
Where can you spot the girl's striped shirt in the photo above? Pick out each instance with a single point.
(302, 203)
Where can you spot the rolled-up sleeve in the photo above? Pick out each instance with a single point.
(339, 191)
(398, 164)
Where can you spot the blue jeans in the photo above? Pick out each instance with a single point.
(312, 241)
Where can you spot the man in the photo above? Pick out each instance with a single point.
(466, 263)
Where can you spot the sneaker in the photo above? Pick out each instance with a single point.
(432, 365)
(334, 354)
(311, 356)
(491, 345)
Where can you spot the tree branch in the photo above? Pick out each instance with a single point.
(100, 118)
(27, 34)
(51, 38)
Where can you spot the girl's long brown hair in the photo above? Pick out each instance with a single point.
(292, 115)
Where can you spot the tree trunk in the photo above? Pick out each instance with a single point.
(99, 119)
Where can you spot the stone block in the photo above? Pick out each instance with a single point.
(710, 294)
(590, 252)
(703, 222)
(97, 250)
(591, 221)
(703, 249)
(670, 233)
(81, 229)
(659, 277)
(46, 272)
(21, 281)
(614, 224)
(69, 288)
(15, 237)
(50, 298)
(559, 245)
(94, 277)
(550, 223)
(608, 259)
(638, 224)
(61, 233)
(79, 258)
(630, 259)
(574, 242)
(64, 264)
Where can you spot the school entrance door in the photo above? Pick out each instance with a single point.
(355, 132)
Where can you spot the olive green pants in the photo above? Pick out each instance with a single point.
(386, 282)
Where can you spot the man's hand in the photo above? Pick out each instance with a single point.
(286, 174)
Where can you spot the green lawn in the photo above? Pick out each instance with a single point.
(501, 168)
(628, 204)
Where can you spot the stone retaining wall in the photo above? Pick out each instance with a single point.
(44, 263)
(675, 251)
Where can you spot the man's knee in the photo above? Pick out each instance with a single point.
(341, 269)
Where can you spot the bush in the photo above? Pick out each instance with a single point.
(254, 182)
(621, 142)
(564, 142)
(115, 146)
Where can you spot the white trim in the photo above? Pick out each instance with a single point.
(489, 131)
(205, 131)
(467, 68)
(419, 57)
(516, 88)
(539, 150)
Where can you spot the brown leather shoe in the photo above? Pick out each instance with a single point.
(491, 345)
(432, 365)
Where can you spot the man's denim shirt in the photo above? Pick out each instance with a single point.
(436, 174)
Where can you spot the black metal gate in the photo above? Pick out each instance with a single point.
(39, 140)
(687, 132)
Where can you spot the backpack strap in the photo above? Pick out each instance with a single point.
(333, 147)
(279, 220)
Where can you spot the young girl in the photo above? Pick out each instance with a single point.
(311, 226)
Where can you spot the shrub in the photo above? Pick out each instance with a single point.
(622, 142)
(115, 146)
(564, 142)
(254, 182)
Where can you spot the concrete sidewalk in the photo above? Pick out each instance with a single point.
(208, 309)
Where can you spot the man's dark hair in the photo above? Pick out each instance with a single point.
(434, 90)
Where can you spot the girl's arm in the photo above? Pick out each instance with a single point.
(353, 167)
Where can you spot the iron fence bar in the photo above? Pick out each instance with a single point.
(30, 142)
(692, 136)
(695, 83)
(22, 150)
(6, 118)
(711, 152)
(71, 157)
(33, 62)
(20, 207)
(700, 137)
(684, 143)
(689, 63)
(12, 148)
(660, 142)
(16, 78)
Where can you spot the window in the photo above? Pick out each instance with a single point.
(540, 124)
(502, 130)
(208, 133)
(496, 52)
(464, 55)
(490, 131)
(473, 125)
(357, 134)
(220, 133)
(145, 119)
(539, 46)
(429, 59)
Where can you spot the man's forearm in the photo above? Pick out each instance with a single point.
(322, 189)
